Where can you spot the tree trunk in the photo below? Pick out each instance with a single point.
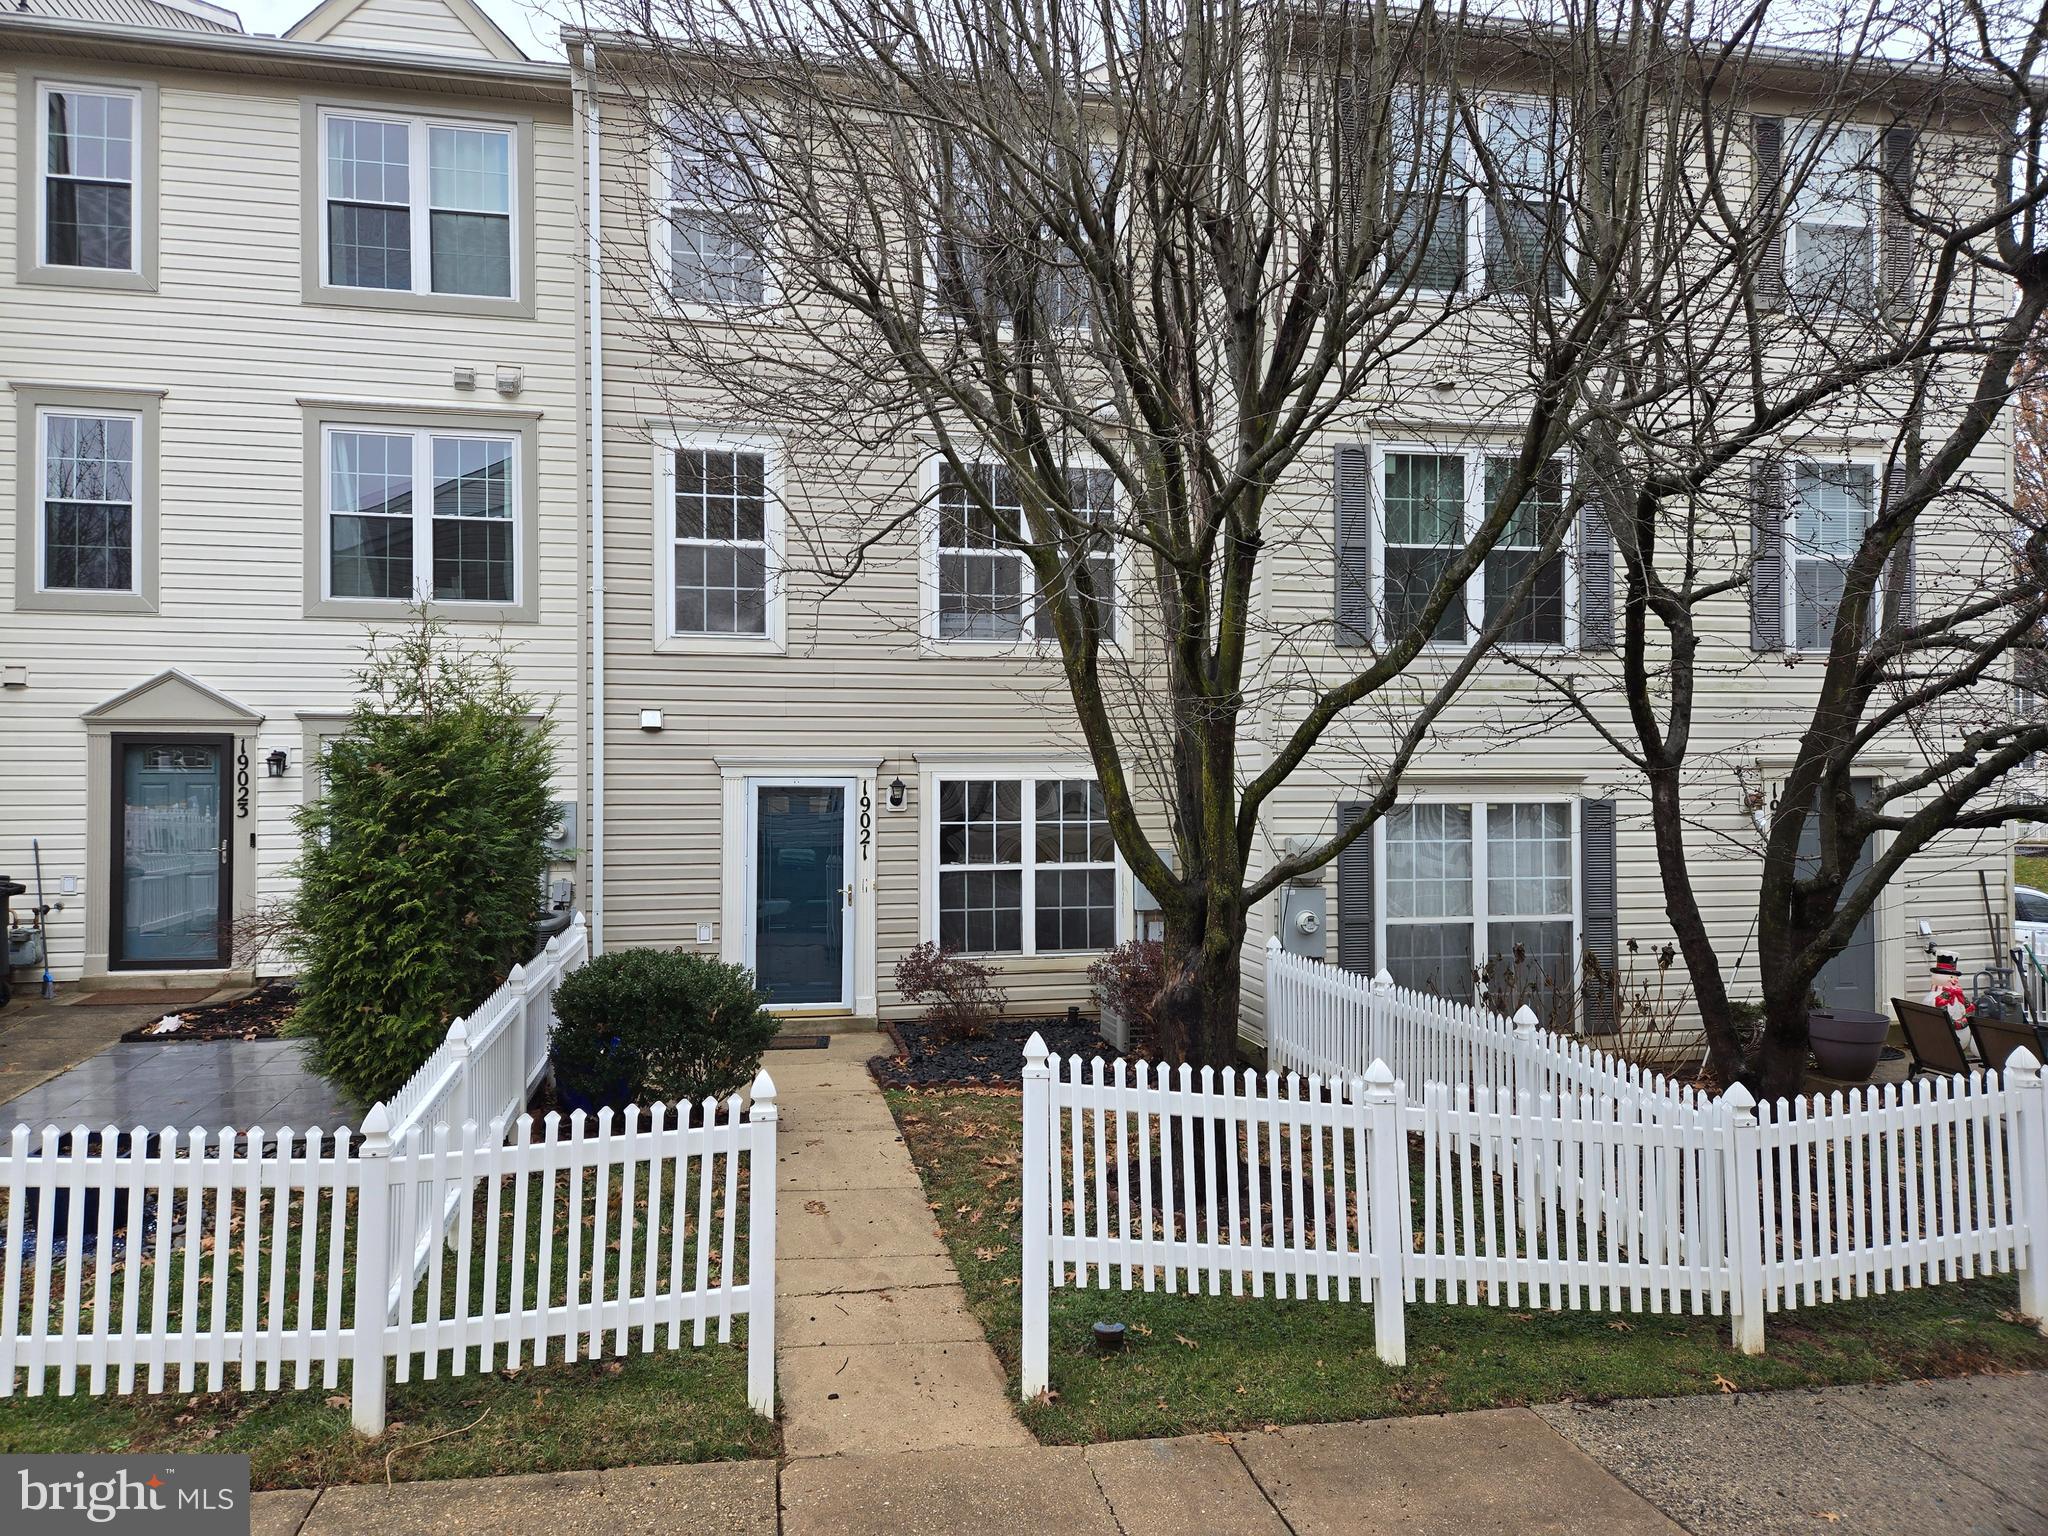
(1780, 1066)
(1197, 1011)
(1689, 925)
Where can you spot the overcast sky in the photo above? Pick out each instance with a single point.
(530, 27)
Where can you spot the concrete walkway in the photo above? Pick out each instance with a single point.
(875, 1348)
(1909, 1460)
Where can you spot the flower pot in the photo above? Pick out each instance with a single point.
(1847, 1041)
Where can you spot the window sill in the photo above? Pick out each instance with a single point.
(1015, 650)
(62, 601)
(104, 279)
(376, 609)
(454, 304)
(721, 645)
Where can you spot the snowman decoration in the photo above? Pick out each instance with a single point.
(1946, 992)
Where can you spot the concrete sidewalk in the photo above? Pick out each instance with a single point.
(1908, 1460)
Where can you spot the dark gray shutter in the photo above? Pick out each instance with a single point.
(1357, 949)
(1354, 544)
(1767, 555)
(1600, 908)
(1901, 594)
(1767, 143)
(1347, 153)
(1596, 570)
(1895, 232)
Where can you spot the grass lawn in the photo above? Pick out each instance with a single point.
(2031, 869)
(1197, 1364)
(689, 1405)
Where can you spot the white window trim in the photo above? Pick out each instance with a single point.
(419, 187)
(422, 513)
(1475, 457)
(1788, 594)
(1028, 644)
(662, 185)
(1479, 804)
(667, 442)
(44, 90)
(1472, 212)
(932, 775)
(137, 531)
(1795, 128)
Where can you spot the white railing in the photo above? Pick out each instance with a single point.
(1491, 1196)
(489, 1061)
(1335, 1022)
(186, 1263)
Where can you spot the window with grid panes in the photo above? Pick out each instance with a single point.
(987, 589)
(88, 502)
(454, 545)
(721, 542)
(1025, 866)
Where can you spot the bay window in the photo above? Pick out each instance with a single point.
(1024, 866)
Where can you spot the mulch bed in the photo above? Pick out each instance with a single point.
(259, 1016)
(925, 1060)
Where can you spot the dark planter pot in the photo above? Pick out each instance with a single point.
(1847, 1042)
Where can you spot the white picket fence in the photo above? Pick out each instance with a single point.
(241, 1259)
(1335, 1022)
(1487, 1196)
(451, 1232)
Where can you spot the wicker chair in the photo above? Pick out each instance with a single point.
(1931, 1037)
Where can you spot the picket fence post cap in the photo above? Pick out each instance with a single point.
(377, 1123)
(578, 920)
(1738, 1098)
(1273, 943)
(1379, 1077)
(1525, 1020)
(1035, 1052)
(458, 1032)
(1384, 979)
(762, 1092)
(2022, 1064)
(516, 977)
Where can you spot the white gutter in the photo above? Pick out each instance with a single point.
(593, 167)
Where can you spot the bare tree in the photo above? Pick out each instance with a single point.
(1128, 270)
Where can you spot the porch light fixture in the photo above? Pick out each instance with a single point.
(896, 794)
(275, 764)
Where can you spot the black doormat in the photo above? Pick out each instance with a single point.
(800, 1043)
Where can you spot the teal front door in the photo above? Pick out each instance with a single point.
(172, 875)
(802, 893)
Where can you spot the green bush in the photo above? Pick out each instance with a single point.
(420, 865)
(667, 1025)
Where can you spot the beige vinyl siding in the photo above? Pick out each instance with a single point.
(234, 350)
(409, 26)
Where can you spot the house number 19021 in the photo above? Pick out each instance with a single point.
(867, 823)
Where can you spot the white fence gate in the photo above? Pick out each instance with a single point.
(451, 1232)
(1482, 1196)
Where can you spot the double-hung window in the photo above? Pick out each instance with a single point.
(1478, 902)
(716, 234)
(1831, 226)
(417, 205)
(88, 500)
(1432, 502)
(987, 589)
(1831, 507)
(1026, 866)
(1483, 214)
(422, 515)
(723, 543)
(89, 168)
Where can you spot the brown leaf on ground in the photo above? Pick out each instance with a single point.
(1181, 1338)
(815, 1207)
(1724, 1383)
(1620, 1325)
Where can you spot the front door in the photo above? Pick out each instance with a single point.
(1850, 979)
(173, 870)
(802, 892)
